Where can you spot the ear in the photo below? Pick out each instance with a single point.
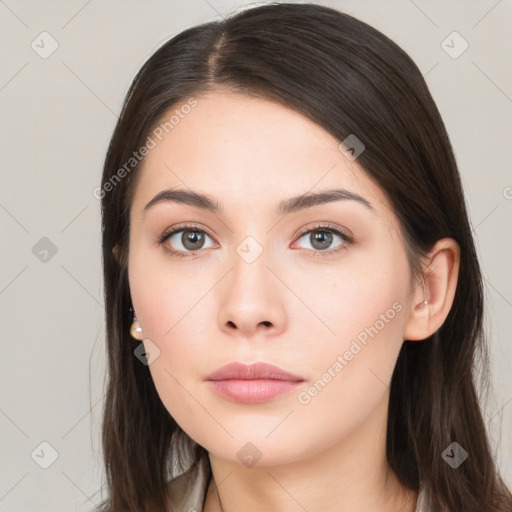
(438, 290)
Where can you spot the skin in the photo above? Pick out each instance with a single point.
(207, 310)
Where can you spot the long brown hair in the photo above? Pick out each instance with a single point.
(349, 78)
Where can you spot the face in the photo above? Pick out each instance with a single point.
(319, 289)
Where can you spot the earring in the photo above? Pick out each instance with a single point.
(135, 328)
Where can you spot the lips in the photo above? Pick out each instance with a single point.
(254, 383)
(240, 371)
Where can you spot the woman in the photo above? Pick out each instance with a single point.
(293, 297)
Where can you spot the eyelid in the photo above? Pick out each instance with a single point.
(346, 233)
(183, 227)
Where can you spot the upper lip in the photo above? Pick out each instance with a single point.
(238, 370)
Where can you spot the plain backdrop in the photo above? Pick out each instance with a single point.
(57, 114)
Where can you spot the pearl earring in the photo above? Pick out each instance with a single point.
(135, 328)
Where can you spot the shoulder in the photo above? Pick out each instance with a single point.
(421, 504)
(187, 490)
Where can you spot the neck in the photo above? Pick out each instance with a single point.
(352, 476)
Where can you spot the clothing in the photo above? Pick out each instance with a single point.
(188, 491)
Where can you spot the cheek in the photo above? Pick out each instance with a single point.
(361, 299)
(176, 318)
(164, 291)
(180, 368)
(167, 303)
(363, 314)
(177, 322)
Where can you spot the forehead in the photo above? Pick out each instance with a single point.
(247, 151)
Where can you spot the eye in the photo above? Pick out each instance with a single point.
(185, 239)
(321, 238)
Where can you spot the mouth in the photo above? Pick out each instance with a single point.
(254, 383)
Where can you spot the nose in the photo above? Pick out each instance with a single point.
(251, 300)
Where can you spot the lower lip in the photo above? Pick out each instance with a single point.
(252, 391)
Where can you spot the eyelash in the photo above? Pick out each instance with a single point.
(347, 239)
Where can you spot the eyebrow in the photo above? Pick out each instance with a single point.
(290, 205)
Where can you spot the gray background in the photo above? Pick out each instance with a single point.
(57, 116)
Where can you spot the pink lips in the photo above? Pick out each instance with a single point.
(253, 383)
